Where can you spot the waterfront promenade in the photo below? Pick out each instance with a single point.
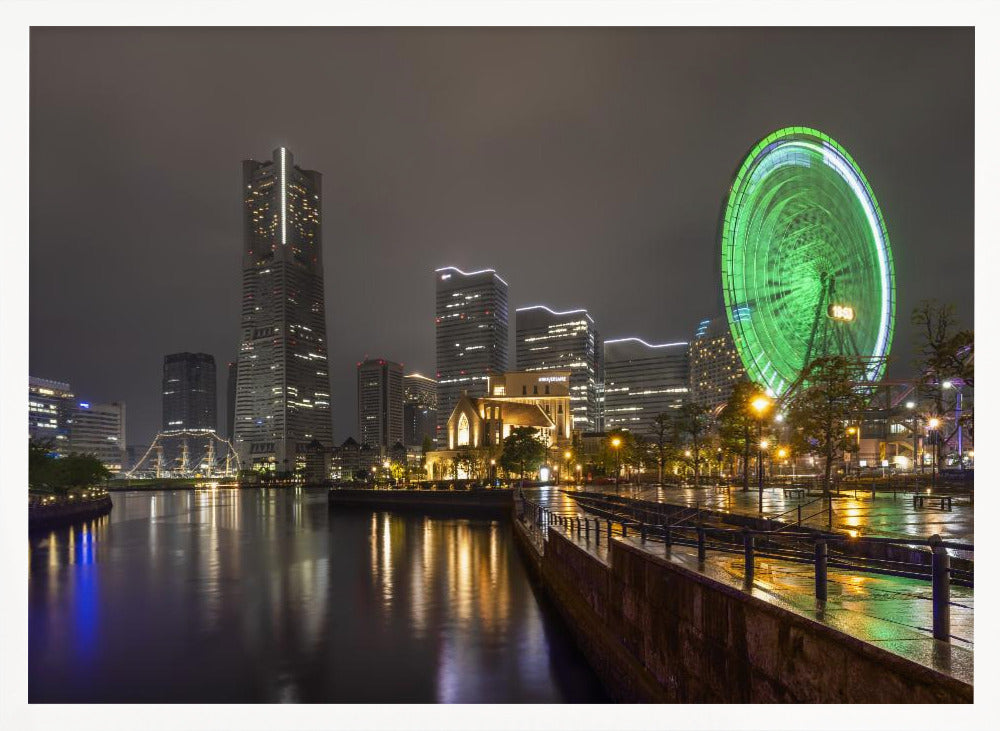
(888, 515)
(893, 613)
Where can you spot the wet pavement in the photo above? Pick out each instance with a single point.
(888, 515)
(891, 612)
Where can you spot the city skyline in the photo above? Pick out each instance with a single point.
(575, 182)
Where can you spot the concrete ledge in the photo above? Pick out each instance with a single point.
(68, 511)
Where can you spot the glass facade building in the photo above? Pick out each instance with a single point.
(282, 382)
(566, 341)
(419, 409)
(471, 334)
(380, 404)
(641, 381)
(715, 364)
(50, 408)
(189, 397)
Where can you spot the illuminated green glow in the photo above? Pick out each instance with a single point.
(803, 231)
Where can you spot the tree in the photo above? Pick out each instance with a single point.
(523, 450)
(663, 434)
(47, 471)
(690, 421)
(820, 411)
(945, 354)
(737, 425)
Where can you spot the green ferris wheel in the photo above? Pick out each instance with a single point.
(806, 265)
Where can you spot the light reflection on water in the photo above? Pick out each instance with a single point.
(263, 595)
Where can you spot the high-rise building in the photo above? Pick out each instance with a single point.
(50, 407)
(99, 430)
(282, 381)
(419, 409)
(380, 403)
(566, 341)
(715, 365)
(471, 322)
(641, 381)
(189, 400)
(230, 400)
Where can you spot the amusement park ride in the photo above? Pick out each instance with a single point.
(187, 454)
(806, 266)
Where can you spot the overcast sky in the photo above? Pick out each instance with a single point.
(587, 166)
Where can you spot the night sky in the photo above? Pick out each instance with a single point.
(587, 166)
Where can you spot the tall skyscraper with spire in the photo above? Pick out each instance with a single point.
(283, 383)
(471, 323)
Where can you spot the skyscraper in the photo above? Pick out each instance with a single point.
(283, 383)
(641, 381)
(230, 400)
(419, 409)
(380, 404)
(549, 340)
(189, 399)
(471, 322)
(50, 407)
(715, 364)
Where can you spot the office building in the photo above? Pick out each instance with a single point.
(471, 333)
(189, 399)
(99, 430)
(282, 380)
(642, 380)
(230, 400)
(715, 365)
(419, 409)
(380, 404)
(50, 406)
(549, 340)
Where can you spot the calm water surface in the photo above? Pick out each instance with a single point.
(266, 595)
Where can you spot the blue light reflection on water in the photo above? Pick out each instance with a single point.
(266, 595)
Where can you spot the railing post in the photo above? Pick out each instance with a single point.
(597, 531)
(701, 544)
(821, 555)
(747, 556)
(624, 530)
(799, 508)
(642, 532)
(609, 531)
(666, 534)
(941, 588)
(586, 527)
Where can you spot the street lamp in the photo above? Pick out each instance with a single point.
(934, 423)
(616, 443)
(493, 472)
(567, 456)
(760, 404)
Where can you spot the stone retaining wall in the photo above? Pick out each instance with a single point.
(657, 632)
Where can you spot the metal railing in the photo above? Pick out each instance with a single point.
(798, 547)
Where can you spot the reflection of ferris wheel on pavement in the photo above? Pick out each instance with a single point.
(189, 453)
(806, 265)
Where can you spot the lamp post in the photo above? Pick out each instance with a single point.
(617, 443)
(493, 472)
(934, 423)
(910, 405)
(782, 455)
(957, 385)
(761, 404)
(567, 456)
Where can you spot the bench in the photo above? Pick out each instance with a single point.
(799, 492)
(919, 498)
